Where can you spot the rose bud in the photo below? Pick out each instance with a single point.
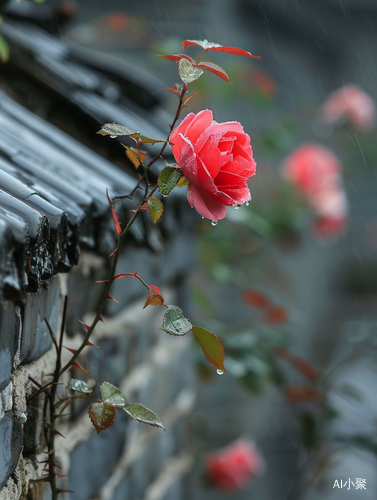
(216, 159)
(234, 466)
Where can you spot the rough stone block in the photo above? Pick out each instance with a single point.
(36, 339)
(93, 461)
(10, 445)
(8, 341)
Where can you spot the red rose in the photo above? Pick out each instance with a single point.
(312, 168)
(217, 160)
(351, 103)
(316, 171)
(232, 467)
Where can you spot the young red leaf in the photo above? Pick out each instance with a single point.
(256, 299)
(155, 289)
(77, 365)
(276, 315)
(211, 345)
(215, 69)
(300, 393)
(157, 300)
(188, 98)
(206, 45)
(102, 416)
(118, 229)
(177, 58)
(174, 91)
(300, 364)
(149, 299)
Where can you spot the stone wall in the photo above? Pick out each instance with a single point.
(130, 460)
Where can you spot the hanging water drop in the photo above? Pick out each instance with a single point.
(220, 372)
(236, 206)
(202, 217)
(247, 203)
(214, 223)
(113, 136)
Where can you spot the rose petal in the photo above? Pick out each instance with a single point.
(176, 140)
(205, 204)
(200, 124)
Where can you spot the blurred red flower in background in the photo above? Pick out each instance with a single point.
(234, 466)
(316, 171)
(351, 103)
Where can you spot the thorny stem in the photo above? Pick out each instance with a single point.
(51, 388)
(50, 396)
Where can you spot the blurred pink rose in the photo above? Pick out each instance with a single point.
(351, 103)
(316, 171)
(217, 160)
(312, 168)
(234, 466)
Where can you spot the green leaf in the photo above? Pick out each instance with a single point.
(102, 416)
(142, 414)
(111, 395)
(155, 208)
(116, 130)
(309, 431)
(187, 72)
(4, 50)
(175, 323)
(148, 140)
(79, 385)
(211, 345)
(168, 179)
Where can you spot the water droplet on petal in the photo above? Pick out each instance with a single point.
(247, 203)
(214, 223)
(236, 206)
(220, 372)
(202, 217)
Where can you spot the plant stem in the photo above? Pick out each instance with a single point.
(50, 389)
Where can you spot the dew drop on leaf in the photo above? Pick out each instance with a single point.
(220, 372)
